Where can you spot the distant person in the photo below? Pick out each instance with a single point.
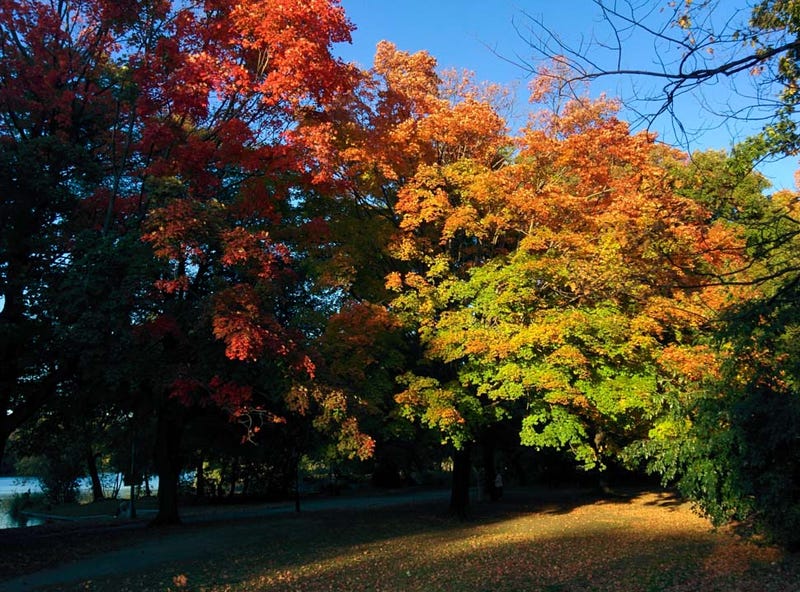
(498, 486)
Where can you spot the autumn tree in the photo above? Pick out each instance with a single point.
(368, 146)
(419, 124)
(562, 286)
(724, 462)
(56, 118)
(166, 122)
(730, 447)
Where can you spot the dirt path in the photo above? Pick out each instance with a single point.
(202, 535)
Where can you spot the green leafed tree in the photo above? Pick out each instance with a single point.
(563, 287)
(731, 446)
(729, 443)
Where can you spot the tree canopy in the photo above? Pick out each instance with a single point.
(223, 245)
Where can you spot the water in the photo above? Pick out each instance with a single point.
(9, 486)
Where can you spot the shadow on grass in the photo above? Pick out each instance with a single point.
(498, 555)
(530, 540)
(543, 540)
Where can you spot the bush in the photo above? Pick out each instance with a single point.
(58, 476)
(19, 502)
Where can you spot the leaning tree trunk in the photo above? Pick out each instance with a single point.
(169, 429)
(459, 493)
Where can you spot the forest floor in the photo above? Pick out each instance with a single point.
(547, 540)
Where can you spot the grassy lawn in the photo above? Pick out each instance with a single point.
(104, 508)
(546, 542)
(527, 542)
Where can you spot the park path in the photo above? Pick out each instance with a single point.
(180, 545)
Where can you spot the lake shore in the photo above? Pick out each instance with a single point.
(39, 511)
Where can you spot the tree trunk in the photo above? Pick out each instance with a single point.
(296, 463)
(459, 493)
(97, 486)
(489, 471)
(234, 476)
(4, 436)
(200, 478)
(169, 429)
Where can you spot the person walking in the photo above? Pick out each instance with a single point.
(498, 486)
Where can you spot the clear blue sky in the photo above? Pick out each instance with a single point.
(473, 34)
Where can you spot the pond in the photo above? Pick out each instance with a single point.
(10, 486)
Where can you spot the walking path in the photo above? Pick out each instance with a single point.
(180, 545)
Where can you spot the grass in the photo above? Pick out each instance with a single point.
(86, 509)
(546, 542)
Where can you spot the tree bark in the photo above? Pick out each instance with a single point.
(234, 476)
(200, 478)
(5, 434)
(459, 492)
(489, 471)
(169, 429)
(94, 475)
(296, 463)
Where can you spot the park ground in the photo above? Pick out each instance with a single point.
(545, 540)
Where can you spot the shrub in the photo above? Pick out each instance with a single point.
(58, 476)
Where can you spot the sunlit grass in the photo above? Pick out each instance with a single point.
(601, 546)
(645, 543)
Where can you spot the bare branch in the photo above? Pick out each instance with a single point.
(694, 47)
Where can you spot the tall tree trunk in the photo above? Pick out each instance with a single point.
(296, 465)
(247, 478)
(459, 493)
(234, 476)
(4, 436)
(489, 471)
(200, 477)
(94, 475)
(169, 429)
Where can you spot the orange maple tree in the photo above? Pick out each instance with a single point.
(569, 283)
(404, 120)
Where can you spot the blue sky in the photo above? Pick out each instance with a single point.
(473, 34)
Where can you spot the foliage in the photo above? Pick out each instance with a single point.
(54, 118)
(215, 234)
(567, 283)
(155, 135)
(728, 444)
(57, 473)
(732, 447)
